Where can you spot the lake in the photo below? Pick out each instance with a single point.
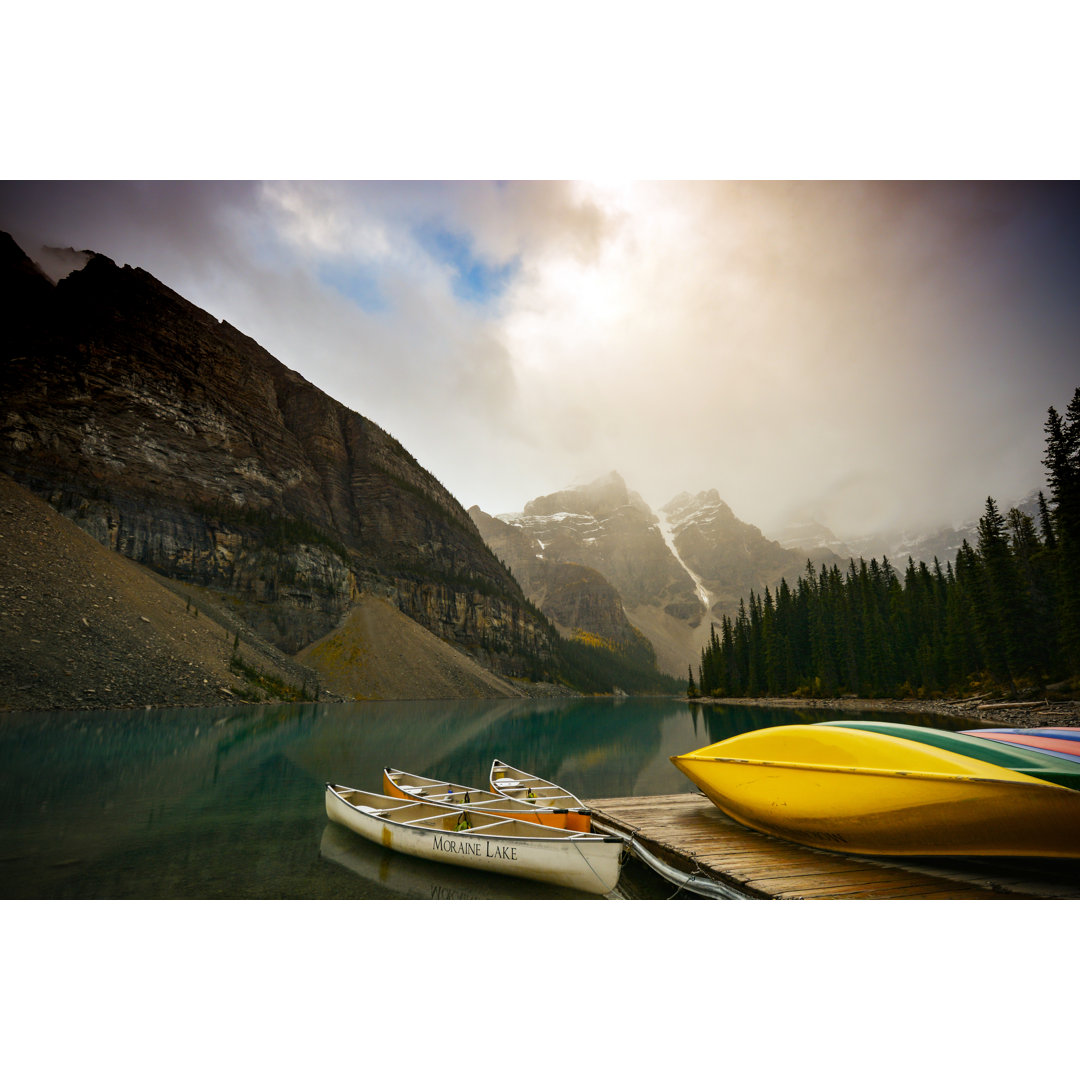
(228, 803)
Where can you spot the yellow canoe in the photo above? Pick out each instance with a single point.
(870, 793)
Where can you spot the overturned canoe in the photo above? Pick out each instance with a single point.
(1070, 733)
(506, 780)
(403, 785)
(1060, 742)
(891, 789)
(588, 862)
(1022, 759)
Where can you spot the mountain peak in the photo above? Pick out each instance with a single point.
(600, 498)
(685, 505)
(56, 263)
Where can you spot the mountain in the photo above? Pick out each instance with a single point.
(576, 598)
(605, 526)
(811, 534)
(584, 556)
(674, 575)
(177, 441)
(729, 557)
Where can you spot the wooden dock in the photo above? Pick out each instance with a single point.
(696, 846)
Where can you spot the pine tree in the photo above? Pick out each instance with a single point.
(1045, 523)
(785, 633)
(691, 687)
(963, 653)
(1036, 624)
(755, 676)
(766, 631)
(729, 667)
(741, 651)
(822, 650)
(1062, 461)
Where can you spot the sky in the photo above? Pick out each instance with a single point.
(867, 354)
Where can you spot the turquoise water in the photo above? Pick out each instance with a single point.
(228, 803)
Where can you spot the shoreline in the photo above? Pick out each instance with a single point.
(993, 714)
(1042, 713)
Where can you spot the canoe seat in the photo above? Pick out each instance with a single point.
(409, 789)
(507, 783)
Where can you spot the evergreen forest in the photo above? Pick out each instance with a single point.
(1004, 620)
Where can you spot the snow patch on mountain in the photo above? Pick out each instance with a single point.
(667, 530)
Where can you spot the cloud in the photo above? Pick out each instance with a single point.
(870, 353)
(771, 340)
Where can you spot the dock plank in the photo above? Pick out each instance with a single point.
(687, 833)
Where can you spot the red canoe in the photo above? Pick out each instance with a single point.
(1061, 742)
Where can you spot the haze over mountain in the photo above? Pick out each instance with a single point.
(940, 541)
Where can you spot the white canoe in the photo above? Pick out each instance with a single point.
(518, 784)
(588, 862)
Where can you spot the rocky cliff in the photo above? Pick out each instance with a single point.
(178, 441)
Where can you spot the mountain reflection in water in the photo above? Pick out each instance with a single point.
(228, 803)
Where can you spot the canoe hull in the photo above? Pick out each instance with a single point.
(926, 803)
(421, 879)
(589, 864)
